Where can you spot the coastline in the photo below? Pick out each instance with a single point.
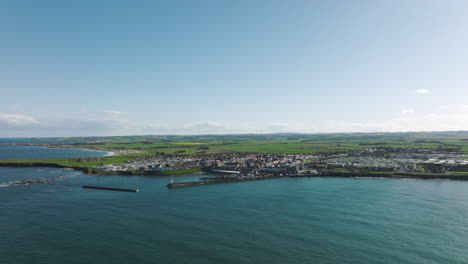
(88, 169)
(108, 153)
(91, 172)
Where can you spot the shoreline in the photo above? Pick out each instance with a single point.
(108, 153)
(395, 175)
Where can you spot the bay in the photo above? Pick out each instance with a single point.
(288, 220)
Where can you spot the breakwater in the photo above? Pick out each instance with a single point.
(231, 179)
(110, 188)
(209, 182)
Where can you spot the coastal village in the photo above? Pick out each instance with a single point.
(240, 164)
(237, 165)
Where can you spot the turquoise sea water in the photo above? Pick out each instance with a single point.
(303, 220)
(32, 152)
(42, 140)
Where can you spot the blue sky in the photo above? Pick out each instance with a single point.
(78, 68)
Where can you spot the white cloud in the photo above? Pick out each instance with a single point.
(205, 127)
(110, 113)
(407, 111)
(422, 91)
(107, 123)
(278, 127)
(17, 119)
(103, 126)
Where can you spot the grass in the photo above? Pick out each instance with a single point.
(419, 174)
(288, 143)
(420, 168)
(458, 172)
(189, 143)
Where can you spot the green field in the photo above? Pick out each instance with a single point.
(281, 143)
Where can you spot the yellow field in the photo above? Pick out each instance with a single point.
(189, 143)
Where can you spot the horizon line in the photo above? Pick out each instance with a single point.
(241, 134)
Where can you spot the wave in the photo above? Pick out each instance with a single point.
(30, 181)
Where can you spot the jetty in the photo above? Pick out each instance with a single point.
(110, 188)
(219, 181)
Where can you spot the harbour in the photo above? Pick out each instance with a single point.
(310, 214)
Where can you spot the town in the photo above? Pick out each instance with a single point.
(250, 165)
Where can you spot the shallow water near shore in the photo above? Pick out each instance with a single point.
(287, 220)
(35, 152)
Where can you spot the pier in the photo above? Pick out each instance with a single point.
(110, 188)
(208, 182)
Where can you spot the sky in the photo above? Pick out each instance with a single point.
(95, 68)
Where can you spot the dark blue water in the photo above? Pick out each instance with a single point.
(304, 220)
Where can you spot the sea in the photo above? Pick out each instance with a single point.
(287, 220)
